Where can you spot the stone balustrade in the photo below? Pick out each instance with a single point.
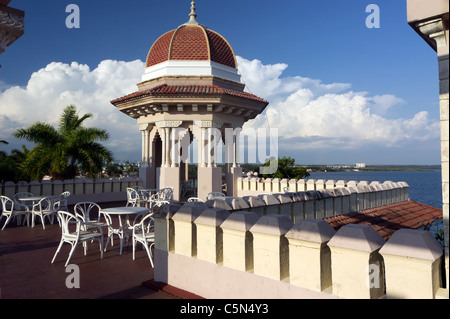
(98, 190)
(339, 198)
(215, 254)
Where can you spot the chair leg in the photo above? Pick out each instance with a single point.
(149, 253)
(74, 245)
(57, 250)
(43, 223)
(8, 218)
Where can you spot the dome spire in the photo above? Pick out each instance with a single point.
(192, 15)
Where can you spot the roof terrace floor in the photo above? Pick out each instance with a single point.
(26, 271)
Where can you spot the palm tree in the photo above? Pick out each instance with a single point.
(59, 152)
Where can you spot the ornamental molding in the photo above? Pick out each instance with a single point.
(434, 29)
(163, 124)
(208, 124)
(12, 20)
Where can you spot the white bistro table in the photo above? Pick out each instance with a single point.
(123, 229)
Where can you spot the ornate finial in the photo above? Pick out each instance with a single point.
(192, 15)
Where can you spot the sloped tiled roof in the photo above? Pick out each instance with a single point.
(386, 220)
(173, 90)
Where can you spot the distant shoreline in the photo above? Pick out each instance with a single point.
(369, 168)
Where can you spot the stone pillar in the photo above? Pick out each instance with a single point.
(256, 204)
(355, 257)
(170, 170)
(209, 177)
(412, 261)
(270, 246)
(309, 255)
(185, 229)
(210, 235)
(238, 241)
(311, 185)
(271, 202)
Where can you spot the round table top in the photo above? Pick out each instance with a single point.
(32, 198)
(125, 210)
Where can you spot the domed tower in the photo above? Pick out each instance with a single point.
(190, 88)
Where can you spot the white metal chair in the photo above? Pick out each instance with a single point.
(46, 207)
(121, 230)
(9, 212)
(77, 236)
(62, 202)
(21, 205)
(144, 233)
(164, 195)
(85, 210)
(215, 195)
(195, 199)
(134, 198)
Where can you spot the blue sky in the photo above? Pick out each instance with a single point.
(319, 49)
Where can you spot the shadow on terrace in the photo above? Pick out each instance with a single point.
(26, 271)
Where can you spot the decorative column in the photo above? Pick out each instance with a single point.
(233, 171)
(437, 30)
(209, 176)
(169, 173)
(146, 171)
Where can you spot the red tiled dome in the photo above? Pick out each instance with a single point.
(193, 43)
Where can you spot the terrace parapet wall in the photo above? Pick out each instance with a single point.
(339, 198)
(98, 190)
(245, 255)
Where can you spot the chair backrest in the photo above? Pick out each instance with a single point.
(46, 204)
(22, 195)
(132, 194)
(215, 195)
(166, 194)
(19, 195)
(62, 201)
(68, 219)
(7, 204)
(147, 223)
(195, 199)
(85, 211)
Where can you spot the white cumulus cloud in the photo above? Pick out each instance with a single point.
(57, 85)
(309, 114)
(312, 115)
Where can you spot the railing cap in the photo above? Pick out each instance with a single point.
(277, 225)
(241, 221)
(212, 217)
(311, 230)
(413, 244)
(357, 237)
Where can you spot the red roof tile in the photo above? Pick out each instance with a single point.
(388, 219)
(188, 90)
(192, 43)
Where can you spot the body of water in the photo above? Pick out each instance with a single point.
(424, 186)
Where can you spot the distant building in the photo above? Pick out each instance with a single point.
(360, 165)
(11, 25)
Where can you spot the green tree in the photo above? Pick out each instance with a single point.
(287, 169)
(61, 151)
(11, 166)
